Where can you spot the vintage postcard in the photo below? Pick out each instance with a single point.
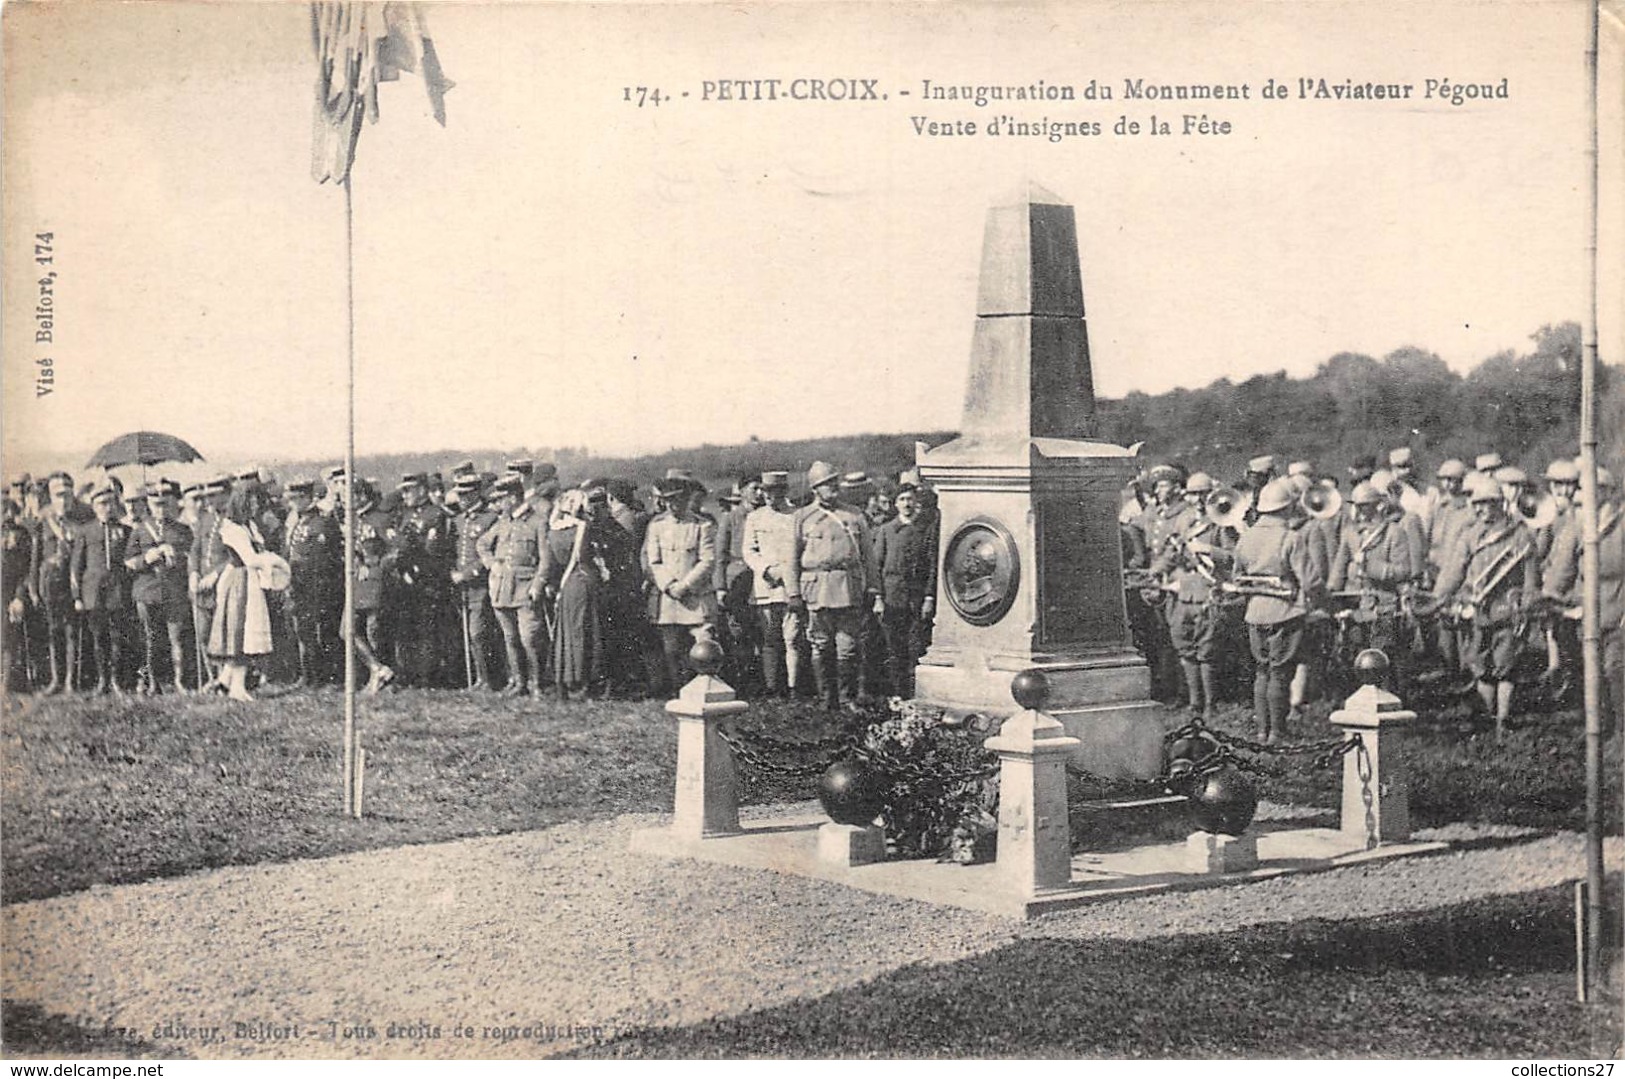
(1015, 299)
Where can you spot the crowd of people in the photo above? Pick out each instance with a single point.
(511, 583)
(504, 583)
(1470, 584)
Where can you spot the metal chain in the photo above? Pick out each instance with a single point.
(1325, 751)
(745, 754)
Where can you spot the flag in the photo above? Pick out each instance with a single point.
(358, 46)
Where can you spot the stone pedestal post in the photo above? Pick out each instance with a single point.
(1035, 840)
(1376, 783)
(707, 802)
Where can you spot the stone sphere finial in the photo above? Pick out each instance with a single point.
(1030, 689)
(706, 656)
(1371, 666)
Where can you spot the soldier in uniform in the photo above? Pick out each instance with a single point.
(679, 560)
(1376, 559)
(833, 578)
(514, 551)
(158, 555)
(469, 578)
(1295, 575)
(1562, 634)
(53, 584)
(314, 601)
(769, 535)
(423, 566)
(1492, 578)
(1194, 563)
(375, 552)
(734, 581)
(1260, 471)
(101, 586)
(1451, 514)
(1165, 517)
(1402, 463)
(908, 588)
(1564, 582)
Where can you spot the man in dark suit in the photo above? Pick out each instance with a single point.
(906, 554)
(468, 577)
(53, 583)
(101, 584)
(157, 553)
(315, 594)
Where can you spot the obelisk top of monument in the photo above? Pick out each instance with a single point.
(1030, 257)
(1030, 375)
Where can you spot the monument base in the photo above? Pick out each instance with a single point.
(1207, 852)
(1104, 702)
(850, 844)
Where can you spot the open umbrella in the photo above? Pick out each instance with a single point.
(143, 448)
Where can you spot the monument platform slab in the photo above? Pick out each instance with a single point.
(789, 844)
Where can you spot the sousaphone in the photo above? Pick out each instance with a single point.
(1227, 508)
(1321, 501)
(1534, 510)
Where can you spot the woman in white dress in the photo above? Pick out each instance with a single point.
(242, 622)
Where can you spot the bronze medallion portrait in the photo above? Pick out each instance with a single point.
(982, 571)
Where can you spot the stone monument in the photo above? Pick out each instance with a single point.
(1030, 557)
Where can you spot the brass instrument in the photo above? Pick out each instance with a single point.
(1259, 584)
(1322, 501)
(1226, 507)
(1534, 510)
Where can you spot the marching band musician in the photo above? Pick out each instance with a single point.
(1376, 558)
(1166, 517)
(1563, 586)
(1291, 575)
(1490, 579)
(1193, 563)
(1562, 634)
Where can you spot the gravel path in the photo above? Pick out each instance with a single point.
(544, 941)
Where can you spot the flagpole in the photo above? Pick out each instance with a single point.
(1590, 606)
(352, 805)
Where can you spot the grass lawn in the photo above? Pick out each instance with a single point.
(105, 792)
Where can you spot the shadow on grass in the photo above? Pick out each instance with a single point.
(27, 1030)
(1492, 978)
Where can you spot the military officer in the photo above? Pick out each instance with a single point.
(423, 567)
(157, 554)
(515, 555)
(833, 578)
(469, 578)
(769, 535)
(315, 595)
(679, 561)
(1492, 578)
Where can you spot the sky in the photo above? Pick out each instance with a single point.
(561, 267)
